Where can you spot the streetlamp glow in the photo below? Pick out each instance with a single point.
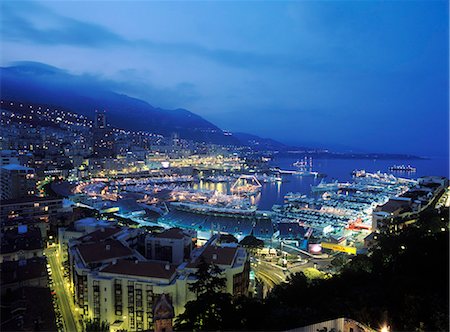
(385, 328)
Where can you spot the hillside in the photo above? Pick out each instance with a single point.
(39, 83)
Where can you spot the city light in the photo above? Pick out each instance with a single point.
(385, 328)
(120, 215)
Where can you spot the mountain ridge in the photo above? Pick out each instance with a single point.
(36, 83)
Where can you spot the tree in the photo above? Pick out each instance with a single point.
(209, 279)
(403, 281)
(213, 309)
(210, 312)
(339, 261)
(228, 238)
(251, 242)
(95, 326)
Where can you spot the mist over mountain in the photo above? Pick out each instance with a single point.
(33, 82)
(39, 83)
(259, 144)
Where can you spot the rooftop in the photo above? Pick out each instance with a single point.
(107, 250)
(141, 269)
(217, 255)
(392, 206)
(100, 235)
(13, 240)
(28, 310)
(16, 167)
(172, 233)
(29, 199)
(291, 230)
(8, 153)
(17, 271)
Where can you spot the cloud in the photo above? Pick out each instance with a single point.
(313, 71)
(17, 26)
(33, 23)
(137, 83)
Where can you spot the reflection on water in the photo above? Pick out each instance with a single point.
(340, 169)
(221, 187)
(271, 192)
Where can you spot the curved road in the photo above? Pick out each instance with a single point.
(269, 274)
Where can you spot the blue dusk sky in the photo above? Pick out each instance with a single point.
(363, 75)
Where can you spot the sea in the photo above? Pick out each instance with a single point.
(333, 169)
(273, 193)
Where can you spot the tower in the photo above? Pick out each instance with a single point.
(103, 139)
(100, 120)
(163, 314)
(17, 181)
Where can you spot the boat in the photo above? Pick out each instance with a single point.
(251, 186)
(304, 163)
(359, 173)
(264, 178)
(305, 168)
(246, 190)
(324, 186)
(218, 178)
(219, 211)
(402, 168)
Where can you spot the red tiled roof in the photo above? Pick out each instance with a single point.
(172, 233)
(141, 269)
(100, 234)
(392, 206)
(217, 255)
(15, 271)
(97, 252)
(13, 241)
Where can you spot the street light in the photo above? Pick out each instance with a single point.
(385, 328)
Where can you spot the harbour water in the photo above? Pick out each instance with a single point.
(335, 169)
(273, 192)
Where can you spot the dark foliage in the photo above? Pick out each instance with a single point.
(95, 326)
(251, 242)
(208, 278)
(403, 282)
(228, 238)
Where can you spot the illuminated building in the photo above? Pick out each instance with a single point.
(32, 207)
(21, 243)
(173, 245)
(114, 283)
(8, 157)
(338, 324)
(103, 137)
(17, 181)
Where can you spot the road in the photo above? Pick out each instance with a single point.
(269, 274)
(272, 275)
(62, 295)
(320, 264)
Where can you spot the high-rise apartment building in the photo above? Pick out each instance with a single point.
(17, 181)
(114, 283)
(103, 138)
(8, 157)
